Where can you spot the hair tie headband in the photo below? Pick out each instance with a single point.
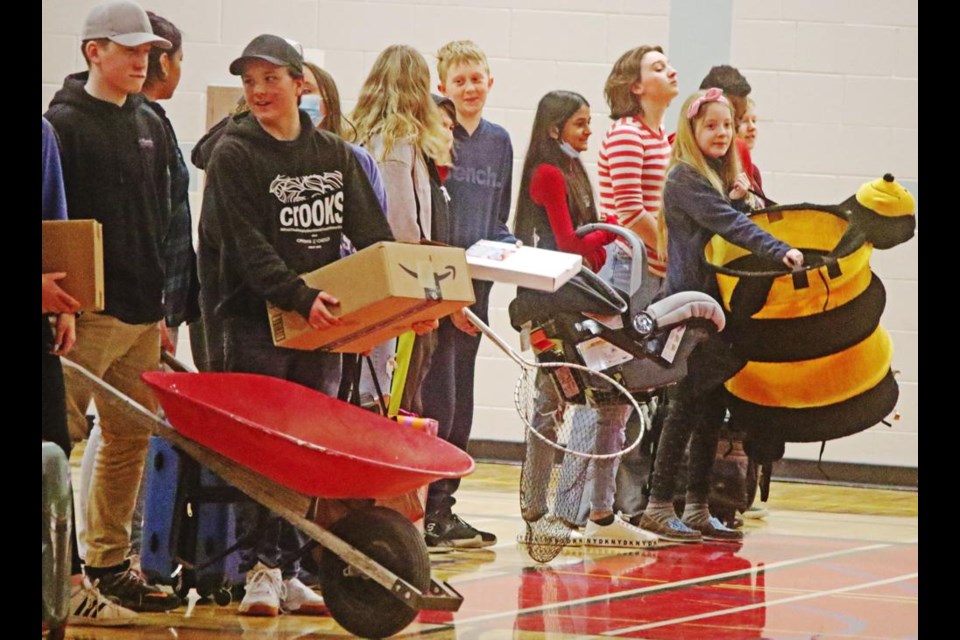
(712, 95)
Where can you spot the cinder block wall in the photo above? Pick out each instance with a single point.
(836, 86)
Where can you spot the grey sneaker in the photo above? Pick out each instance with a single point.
(715, 530)
(673, 529)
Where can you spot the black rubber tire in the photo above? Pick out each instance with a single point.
(360, 605)
(223, 596)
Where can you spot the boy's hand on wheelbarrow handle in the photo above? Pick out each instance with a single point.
(320, 315)
(425, 326)
(459, 320)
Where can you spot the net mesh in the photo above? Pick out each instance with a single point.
(575, 437)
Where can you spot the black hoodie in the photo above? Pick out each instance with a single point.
(208, 246)
(115, 171)
(281, 209)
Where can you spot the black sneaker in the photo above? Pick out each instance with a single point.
(130, 590)
(447, 530)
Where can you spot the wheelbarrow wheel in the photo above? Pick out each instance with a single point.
(359, 604)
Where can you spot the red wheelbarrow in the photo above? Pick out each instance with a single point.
(296, 451)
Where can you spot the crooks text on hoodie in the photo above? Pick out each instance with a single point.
(281, 208)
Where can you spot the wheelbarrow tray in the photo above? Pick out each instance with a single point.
(296, 507)
(303, 439)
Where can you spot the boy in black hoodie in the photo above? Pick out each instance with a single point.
(281, 194)
(115, 156)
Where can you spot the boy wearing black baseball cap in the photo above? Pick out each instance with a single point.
(282, 195)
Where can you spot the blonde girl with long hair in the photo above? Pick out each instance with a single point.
(399, 123)
(703, 196)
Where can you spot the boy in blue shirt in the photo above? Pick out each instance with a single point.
(479, 188)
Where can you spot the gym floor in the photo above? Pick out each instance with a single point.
(827, 562)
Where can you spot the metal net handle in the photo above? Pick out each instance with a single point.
(518, 401)
(533, 366)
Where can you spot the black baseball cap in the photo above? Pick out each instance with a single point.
(273, 49)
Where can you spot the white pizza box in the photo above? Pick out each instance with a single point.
(540, 269)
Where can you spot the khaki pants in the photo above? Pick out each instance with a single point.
(117, 352)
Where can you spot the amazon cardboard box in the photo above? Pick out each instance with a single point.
(76, 248)
(528, 267)
(382, 290)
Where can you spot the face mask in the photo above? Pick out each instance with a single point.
(569, 150)
(312, 104)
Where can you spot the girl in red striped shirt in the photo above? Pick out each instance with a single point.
(635, 151)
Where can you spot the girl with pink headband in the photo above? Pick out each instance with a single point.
(703, 195)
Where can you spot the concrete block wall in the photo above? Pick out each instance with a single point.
(837, 92)
(836, 83)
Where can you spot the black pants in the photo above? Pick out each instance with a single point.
(695, 414)
(447, 392)
(249, 349)
(53, 411)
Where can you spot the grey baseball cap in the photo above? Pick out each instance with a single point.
(123, 22)
(273, 49)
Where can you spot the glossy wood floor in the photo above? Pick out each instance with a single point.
(827, 562)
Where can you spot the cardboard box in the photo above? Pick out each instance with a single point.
(76, 248)
(382, 290)
(528, 267)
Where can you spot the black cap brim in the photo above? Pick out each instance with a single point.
(238, 65)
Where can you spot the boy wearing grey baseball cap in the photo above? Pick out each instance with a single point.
(115, 156)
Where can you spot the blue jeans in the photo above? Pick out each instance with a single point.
(616, 270)
(598, 430)
(249, 349)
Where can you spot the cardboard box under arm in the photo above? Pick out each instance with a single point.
(75, 247)
(528, 267)
(382, 290)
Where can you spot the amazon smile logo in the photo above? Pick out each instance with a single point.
(450, 272)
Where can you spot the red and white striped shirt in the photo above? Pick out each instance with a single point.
(632, 170)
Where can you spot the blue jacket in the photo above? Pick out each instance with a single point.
(694, 212)
(479, 185)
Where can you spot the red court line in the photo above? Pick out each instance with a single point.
(735, 606)
(690, 566)
(764, 605)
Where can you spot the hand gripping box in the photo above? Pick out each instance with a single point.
(382, 290)
(528, 267)
(75, 247)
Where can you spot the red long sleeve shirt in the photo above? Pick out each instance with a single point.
(548, 188)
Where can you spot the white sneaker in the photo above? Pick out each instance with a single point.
(302, 599)
(618, 533)
(551, 530)
(264, 592)
(89, 607)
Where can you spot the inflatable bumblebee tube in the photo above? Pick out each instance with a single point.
(818, 360)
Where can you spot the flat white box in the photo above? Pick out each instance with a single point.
(540, 269)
